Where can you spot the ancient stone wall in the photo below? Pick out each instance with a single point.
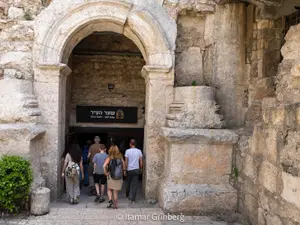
(268, 160)
(91, 76)
(210, 49)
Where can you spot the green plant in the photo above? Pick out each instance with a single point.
(194, 83)
(27, 15)
(236, 172)
(15, 181)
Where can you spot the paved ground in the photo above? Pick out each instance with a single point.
(101, 216)
(87, 212)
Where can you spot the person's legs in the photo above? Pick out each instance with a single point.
(96, 181)
(76, 190)
(103, 181)
(128, 185)
(110, 202)
(69, 187)
(91, 179)
(97, 188)
(86, 174)
(115, 199)
(134, 184)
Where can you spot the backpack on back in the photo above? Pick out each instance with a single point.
(72, 170)
(115, 169)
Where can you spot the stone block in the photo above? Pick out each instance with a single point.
(15, 13)
(200, 164)
(189, 66)
(197, 199)
(289, 155)
(278, 116)
(293, 83)
(3, 7)
(209, 29)
(271, 152)
(268, 175)
(291, 189)
(40, 201)
(250, 169)
(297, 113)
(262, 24)
(273, 220)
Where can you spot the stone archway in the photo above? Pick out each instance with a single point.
(59, 29)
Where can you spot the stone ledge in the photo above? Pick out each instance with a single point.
(217, 136)
(33, 130)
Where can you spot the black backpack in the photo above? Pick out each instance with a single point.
(115, 169)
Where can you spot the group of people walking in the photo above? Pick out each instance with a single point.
(102, 168)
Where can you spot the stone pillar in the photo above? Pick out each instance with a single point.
(159, 94)
(228, 71)
(40, 201)
(49, 87)
(198, 161)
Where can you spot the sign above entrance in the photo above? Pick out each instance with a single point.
(106, 114)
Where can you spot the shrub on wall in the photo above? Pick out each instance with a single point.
(15, 181)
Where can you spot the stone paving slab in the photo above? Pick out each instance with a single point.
(104, 216)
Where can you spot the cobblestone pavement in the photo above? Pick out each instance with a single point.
(103, 216)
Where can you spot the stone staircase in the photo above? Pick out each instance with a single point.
(31, 104)
(174, 115)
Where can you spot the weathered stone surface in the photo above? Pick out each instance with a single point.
(15, 13)
(192, 154)
(289, 155)
(189, 66)
(190, 45)
(229, 63)
(268, 175)
(201, 135)
(196, 199)
(40, 201)
(291, 189)
(198, 108)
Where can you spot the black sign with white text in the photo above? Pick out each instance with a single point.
(106, 114)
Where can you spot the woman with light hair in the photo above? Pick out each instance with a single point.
(114, 168)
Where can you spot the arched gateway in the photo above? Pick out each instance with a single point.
(59, 29)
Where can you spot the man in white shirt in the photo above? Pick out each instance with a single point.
(134, 165)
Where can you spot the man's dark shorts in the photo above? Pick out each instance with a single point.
(100, 178)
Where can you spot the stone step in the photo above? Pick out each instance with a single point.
(171, 116)
(176, 105)
(35, 112)
(31, 102)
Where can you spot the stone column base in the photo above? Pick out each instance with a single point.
(197, 199)
(198, 164)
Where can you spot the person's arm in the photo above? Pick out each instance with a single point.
(90, 152)
(126, 163)
(126, 160)
(124, 166)
(95, 164)
(105, 165)
(64, 166)
(141, 162)
(81, 168)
